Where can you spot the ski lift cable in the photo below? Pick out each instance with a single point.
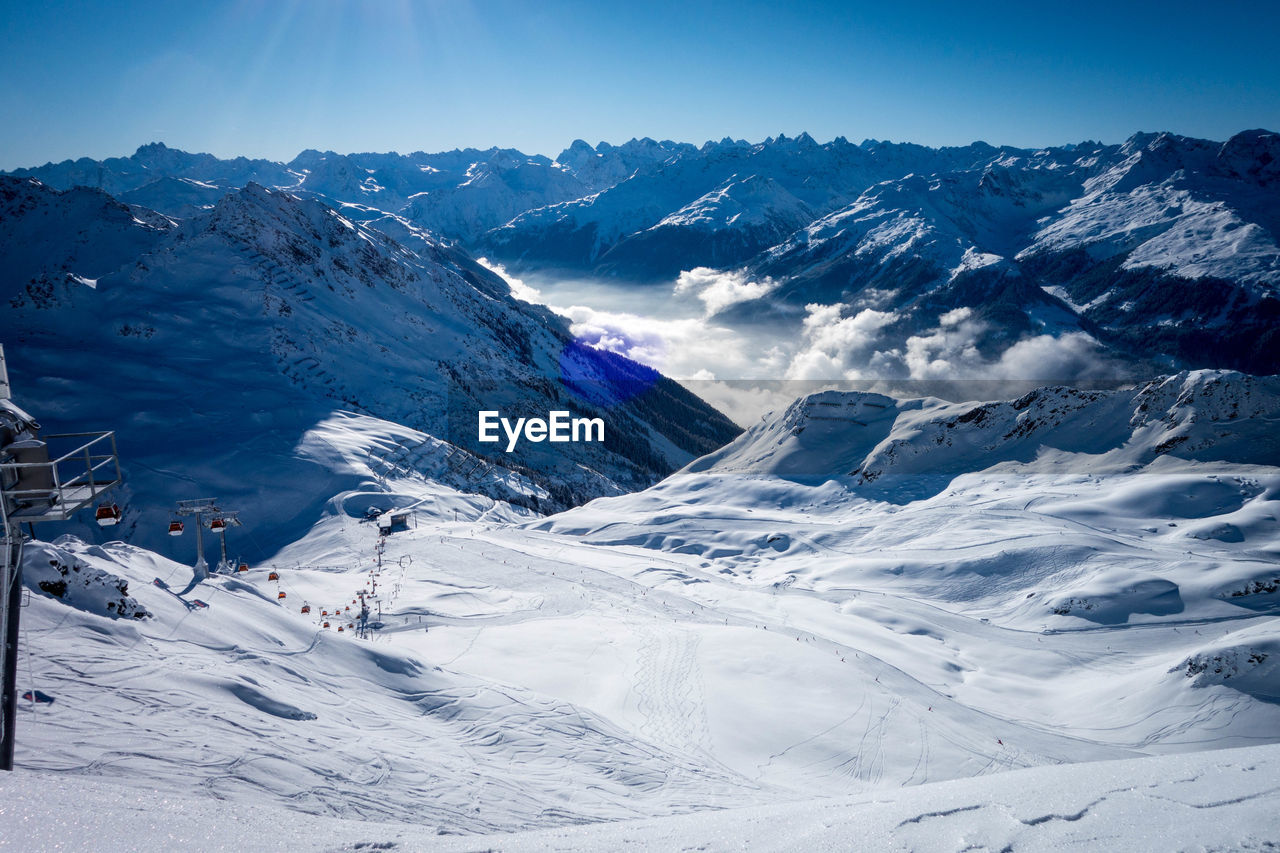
(253, 540)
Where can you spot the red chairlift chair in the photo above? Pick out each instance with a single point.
(107, 515)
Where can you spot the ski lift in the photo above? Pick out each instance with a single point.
(306, 608)
(324, 612)
(218, 525)
(339, 629)
(281, 595)
(348, 607)
(175, 528)
(274, 576)
(244, 567)
(107, 515)
(326, 624)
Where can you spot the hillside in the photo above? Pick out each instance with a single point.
(860, 594)
(219, 341)
(1216, 800)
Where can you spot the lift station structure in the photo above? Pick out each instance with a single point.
(42, 479)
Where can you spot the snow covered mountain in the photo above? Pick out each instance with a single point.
(220, 341)
(605, 165)
(773, 177)
(1162, 250)
(862, 593)
(1163, 247)
(459, 194)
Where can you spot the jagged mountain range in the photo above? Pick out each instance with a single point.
(1163, 248)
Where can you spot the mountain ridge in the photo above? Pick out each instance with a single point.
(1163, 249)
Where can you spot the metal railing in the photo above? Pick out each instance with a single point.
(70, 480)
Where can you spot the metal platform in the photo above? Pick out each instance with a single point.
(69, 482)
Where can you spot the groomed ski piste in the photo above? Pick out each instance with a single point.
(868, 623)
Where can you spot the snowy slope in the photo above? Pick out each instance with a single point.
(1212, 800)
(1174, 249)
(1201, 415)
(725, 227)
(1117, 549)
(1068, 577)
(912, 234)
(491, 191)
(246, 699)
(1194, 207)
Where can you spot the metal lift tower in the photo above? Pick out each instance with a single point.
(42, 478)
(209, 515)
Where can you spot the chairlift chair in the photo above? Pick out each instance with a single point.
(218, 525)
(175, 528)
(281, 595)
(274, 576)
(107, 515)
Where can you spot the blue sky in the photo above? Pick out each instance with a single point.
(272, 77)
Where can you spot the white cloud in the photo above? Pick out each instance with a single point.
(955, 317)
(519, 289)
(838, 347)
(685, 348)
(949, 351)
(1073, 356)
(718, 290)
(834, 344)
